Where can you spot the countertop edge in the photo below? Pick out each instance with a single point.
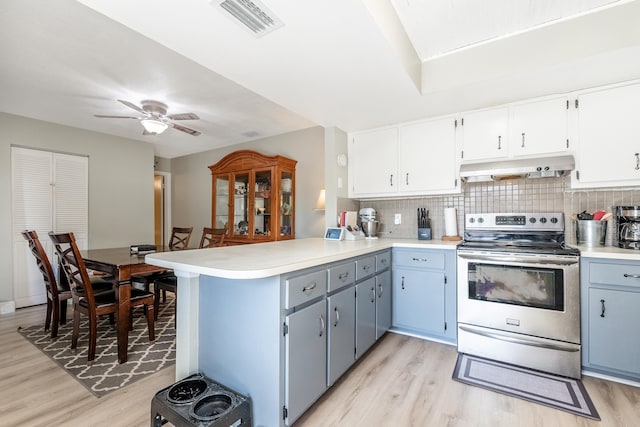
(222, 262)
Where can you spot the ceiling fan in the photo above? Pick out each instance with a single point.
(155, 119)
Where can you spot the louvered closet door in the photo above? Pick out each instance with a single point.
(49, 193)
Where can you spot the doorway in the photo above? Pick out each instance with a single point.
(161, 208)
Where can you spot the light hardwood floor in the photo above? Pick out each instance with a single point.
(403, 381)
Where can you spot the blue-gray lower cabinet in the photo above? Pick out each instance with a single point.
(383, 303)
(365, 315)
(424, 293)
(306, 357)
(610, 296)
(341, 329)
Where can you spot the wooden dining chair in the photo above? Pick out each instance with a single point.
(88, 302)
(57, 295)
(180, 238)
(212, 237)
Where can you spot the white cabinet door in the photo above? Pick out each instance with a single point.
(427, 156)
(609, 138)
(373, 163)
(485, 134)
(539, 127)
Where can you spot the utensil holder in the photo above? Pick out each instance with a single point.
(424, 233)
(590, 233)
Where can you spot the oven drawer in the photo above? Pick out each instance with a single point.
(421, 259)
(305, 288)
(615, 274)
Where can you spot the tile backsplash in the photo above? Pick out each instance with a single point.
(518, 195)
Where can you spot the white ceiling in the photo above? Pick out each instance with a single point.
(346, 63)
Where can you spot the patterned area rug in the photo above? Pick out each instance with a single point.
(563, 393)
(106, 374)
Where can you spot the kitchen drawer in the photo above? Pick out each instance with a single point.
(383, 261)
(305, 288)
(420, 259)
(615, 274)
(342, 275)
(365, 267)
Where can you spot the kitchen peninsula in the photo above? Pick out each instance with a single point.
(240, 308)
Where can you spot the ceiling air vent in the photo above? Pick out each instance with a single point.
(253, 15)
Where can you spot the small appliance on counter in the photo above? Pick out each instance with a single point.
(627, 227)
(368, 223)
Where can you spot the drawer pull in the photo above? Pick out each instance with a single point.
(343, 276)
(321, 325)
(366, 267)
(383, 261)
(337, 317)
(632, 276)
(310, 287)
(603, 308)
(420, 259)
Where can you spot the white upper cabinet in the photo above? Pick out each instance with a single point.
(373, 163)
(530, 128)
(427, 157)
(485, 134)
(539, 127)
(608, 137)
(410, 159)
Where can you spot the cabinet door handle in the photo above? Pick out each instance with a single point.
(309, 287)
(337, 317)
(603, 308)
(632, 276)
(343, 276)
(321, 325)
(406, 179)
(637, 161)
(391, 180)
(373, 294)
(522, 139)
(380, 290)
(403, 282)
(499, 142)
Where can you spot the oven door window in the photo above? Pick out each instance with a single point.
(518, 285)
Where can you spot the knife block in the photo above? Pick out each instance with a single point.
(424, 233)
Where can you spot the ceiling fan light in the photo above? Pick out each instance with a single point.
(154, 126)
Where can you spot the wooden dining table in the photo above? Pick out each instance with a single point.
(121, 265)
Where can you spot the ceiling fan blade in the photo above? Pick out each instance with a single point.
(132, 106)
(183, 116)
(185, 129)
(115, 117)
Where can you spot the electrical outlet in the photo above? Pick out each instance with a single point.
(397, 219)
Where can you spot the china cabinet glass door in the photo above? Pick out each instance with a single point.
(286, 203)
(240, 205)
(221, 201)
(262, 202)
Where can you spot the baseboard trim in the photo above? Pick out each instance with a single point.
(7, 307)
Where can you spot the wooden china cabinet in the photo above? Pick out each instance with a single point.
(253, 196)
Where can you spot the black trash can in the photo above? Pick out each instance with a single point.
(200, 401)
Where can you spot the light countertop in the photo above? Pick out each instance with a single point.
(273, 258)
(608, 252)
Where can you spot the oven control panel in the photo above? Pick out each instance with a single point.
(551, 221)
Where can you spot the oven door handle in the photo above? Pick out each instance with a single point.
(530, 342)
(532, 259)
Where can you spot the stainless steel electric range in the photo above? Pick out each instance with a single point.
(519, 292)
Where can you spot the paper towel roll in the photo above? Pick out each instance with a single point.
(450, 222)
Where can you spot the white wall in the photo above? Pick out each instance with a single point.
(120, 184)
(191, 193)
